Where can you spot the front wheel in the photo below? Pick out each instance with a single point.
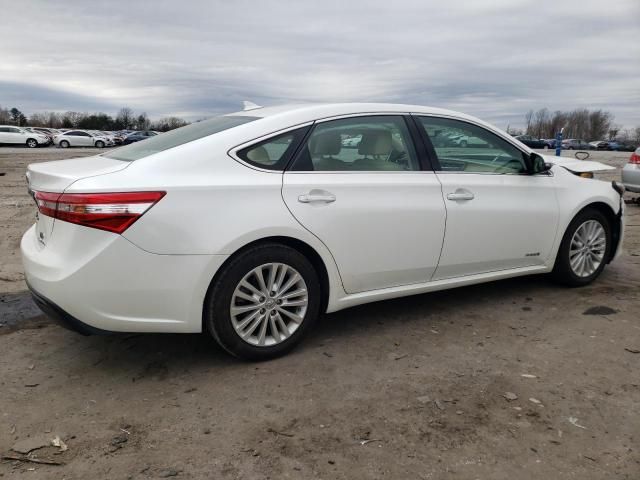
(99, 144)
(64, 144)
(32, 143)
(584, 250)
(263, 302)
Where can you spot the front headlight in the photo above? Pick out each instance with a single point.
(586, 174)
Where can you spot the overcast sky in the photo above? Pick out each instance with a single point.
(491, 58)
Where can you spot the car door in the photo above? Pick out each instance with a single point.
(379, 213)
(16, 135)
(498, 216)
(85, 139)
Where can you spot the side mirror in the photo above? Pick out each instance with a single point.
(538, 165)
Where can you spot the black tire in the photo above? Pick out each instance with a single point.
(562, 271)
(99, 144)
(217, 315)
(64, 144)
(32, 143)
(463, 144)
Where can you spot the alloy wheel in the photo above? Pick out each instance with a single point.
(269, 304)
(587, 249)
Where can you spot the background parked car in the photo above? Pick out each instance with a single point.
(631, 172)
(80, 138)
(109, 138)
(10, 134)
(576, 144)
(52, 132)
(137, 136)
(38, 132)
(627, 147)
(468, 141)
(532, 142)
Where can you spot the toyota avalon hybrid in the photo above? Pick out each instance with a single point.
(250, 225)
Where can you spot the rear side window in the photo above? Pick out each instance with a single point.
(274, 153)
(179, 136)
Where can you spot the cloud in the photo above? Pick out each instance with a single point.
(495, 58)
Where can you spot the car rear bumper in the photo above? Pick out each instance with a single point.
(631, 177)
(96, 281)
(63, 318)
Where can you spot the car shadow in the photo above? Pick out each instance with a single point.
(153, 355)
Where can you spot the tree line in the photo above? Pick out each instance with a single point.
(125, 119)
(589, 125)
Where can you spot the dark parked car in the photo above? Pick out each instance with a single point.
(532, 142)
(137, 136)
(551, 142)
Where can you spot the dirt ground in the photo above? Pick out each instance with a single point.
(515, 379)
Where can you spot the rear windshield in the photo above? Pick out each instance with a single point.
(179, 136)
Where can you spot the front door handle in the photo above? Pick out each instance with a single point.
(460, 195)
(317, 196)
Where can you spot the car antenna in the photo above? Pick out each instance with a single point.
(247, 105)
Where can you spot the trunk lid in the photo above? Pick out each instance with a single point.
(57, 175)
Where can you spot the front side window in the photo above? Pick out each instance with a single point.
(367, 144)
(465, 147)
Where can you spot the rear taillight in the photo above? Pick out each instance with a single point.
(114, 212)
(635, 158)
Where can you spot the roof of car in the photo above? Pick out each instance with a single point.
(297, 114)
(319, 110)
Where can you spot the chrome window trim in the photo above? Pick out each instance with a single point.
(233, 152)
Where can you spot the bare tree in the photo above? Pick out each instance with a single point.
(528, 117)
(168, 123)
(143, 122)
(5, 116)
(125, 118)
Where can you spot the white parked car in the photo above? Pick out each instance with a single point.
(11, 135)
(80, 138)
(250, 225)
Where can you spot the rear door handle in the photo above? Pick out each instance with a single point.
(317, 196)
(460, 195)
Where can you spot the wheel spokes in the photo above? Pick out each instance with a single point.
(269, 304)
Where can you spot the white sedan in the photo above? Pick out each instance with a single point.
(81, 138)
(250, 225)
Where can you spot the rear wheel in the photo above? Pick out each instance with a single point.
(263, 302)
(64, 144)
(584, 249)
(32, 143)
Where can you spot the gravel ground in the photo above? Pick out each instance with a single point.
(513, 379)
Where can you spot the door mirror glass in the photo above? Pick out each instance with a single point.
(538, 165)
